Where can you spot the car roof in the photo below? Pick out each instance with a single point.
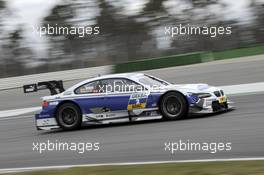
(122, 75)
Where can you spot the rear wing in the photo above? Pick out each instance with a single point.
(55, 87)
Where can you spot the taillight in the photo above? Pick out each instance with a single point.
(45, 104)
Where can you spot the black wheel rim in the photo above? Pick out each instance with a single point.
(173, 106)
(68, 116)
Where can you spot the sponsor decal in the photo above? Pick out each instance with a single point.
(100, 110)
(103, 116)
(139, 95)
(137, 101)
(44, 115)
(152, 113)
(154, 104)
(53, 103)
(46, 122)
(222, 99)
(106, 115)
(136, 106)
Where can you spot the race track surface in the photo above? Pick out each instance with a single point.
(144, 141)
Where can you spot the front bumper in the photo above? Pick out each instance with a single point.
(211, 105)
(45, 123)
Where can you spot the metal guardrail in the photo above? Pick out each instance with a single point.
(18, 82)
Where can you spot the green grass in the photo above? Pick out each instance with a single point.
(234, 53)
(186, 59)
(161, 62)
(211, 168)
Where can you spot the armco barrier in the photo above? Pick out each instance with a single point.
(162, 62)
(17, 82)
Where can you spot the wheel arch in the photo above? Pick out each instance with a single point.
(187, 102)
(66, 101)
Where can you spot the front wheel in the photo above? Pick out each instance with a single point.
(173, 106)
(69, 116)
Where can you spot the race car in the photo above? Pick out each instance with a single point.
(123, 98)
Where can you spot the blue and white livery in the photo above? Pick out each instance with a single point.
(125, 98)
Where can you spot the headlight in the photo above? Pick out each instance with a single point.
(203, 95)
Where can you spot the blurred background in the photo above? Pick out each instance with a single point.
(129, 30)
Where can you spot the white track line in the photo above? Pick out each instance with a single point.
(16, 117)
(15, 112)
(13, 170)
(244, 88)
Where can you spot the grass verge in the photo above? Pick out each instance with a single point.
(186, 59)
(240, 52)
(205, 168)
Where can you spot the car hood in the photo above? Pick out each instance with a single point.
(194, 88)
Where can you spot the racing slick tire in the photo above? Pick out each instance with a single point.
(173, 106)
(69, 116)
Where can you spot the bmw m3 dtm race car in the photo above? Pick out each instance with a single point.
(123, 98)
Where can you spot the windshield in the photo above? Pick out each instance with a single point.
(152, 81)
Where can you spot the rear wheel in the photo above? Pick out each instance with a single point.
(69, 116)
(173, 106)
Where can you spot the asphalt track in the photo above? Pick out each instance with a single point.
(144, 141)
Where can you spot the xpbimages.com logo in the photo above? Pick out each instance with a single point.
(79, 147)
(116, 87)
(80, 31)
(187, 145)
(211, 31)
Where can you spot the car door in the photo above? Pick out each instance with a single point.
(124, 95)
(116, 99)
(91, 99)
